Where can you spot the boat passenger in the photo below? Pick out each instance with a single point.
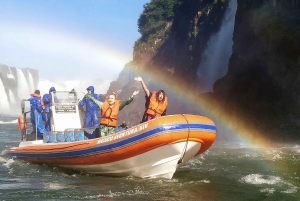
(37, 107)
(46, 114)
(91, 115)
(109, 112)
(156, 102)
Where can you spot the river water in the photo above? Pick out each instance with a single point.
(226, 172)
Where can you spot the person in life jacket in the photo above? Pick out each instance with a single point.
(156, 102)
(37, 106)
(91, 115)
(109, 112)
(46, 114)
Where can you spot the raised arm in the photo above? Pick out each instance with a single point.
(128, 100)
(97, 102)
(82, 102)
(139, 79)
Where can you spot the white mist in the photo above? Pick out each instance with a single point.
(215, 59)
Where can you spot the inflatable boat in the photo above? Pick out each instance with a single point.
(152, 149)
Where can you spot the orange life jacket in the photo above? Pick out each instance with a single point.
(39, 96)
(109, 115)
(21, 123)
(155, 107)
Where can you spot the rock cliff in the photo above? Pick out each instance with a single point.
(262, 79)
(260, 89)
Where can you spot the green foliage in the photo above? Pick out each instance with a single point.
(189, 22)
(156, 19)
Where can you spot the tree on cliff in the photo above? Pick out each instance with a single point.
(156, 17)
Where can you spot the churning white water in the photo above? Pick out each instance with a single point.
(215, 59)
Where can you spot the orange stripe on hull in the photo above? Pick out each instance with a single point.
(165, 137)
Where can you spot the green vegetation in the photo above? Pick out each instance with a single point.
(155, 21)
(187, 21)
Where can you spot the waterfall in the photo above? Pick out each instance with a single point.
(215, 59)
(4, 104)
(30, 81)
(15, 84)
(23, 89)
(11, 97)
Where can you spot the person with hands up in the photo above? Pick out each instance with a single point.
(156, 102)
(109, 111)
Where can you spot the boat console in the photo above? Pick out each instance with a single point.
(65, 113)
(66, 119)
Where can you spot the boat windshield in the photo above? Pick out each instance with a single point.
(64, 97)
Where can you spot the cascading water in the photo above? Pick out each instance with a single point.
(15, 84)
(215, 59)
(4, 104)
(11, 97)
(30, 81)
(23, 89)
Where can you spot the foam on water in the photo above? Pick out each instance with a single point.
(268, 190)
(111, 194)
(274, 154)
(3, 160)
(297, 148)
(259, 179)
(54, 186)
(6, 162)
(9, 122)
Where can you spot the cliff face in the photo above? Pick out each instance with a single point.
(261, 87)
(262, 79)
(178, 53)
(169, 55)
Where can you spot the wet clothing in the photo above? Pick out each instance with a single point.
(106, 128)
(92, 109)
(46, 114)
(154, 108)
(37, 107)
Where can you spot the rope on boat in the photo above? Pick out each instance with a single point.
(186, 143)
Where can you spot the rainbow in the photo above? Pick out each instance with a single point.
(242, 131)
